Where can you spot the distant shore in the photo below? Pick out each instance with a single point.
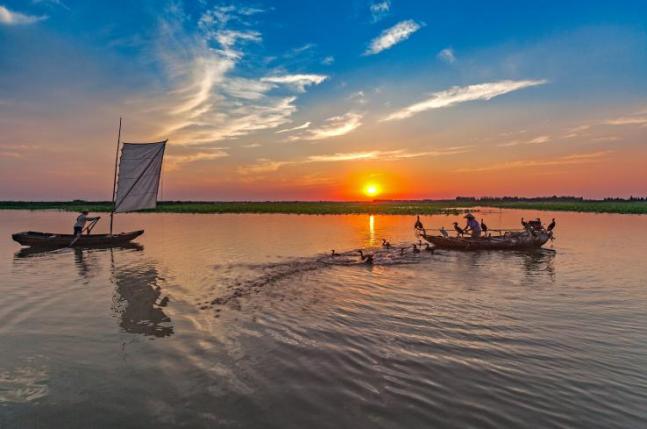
(424, 207)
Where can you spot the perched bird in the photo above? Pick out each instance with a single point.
(367, 259)
(444, 232)
(415, 249)
(164, 301)
(551, 225)
(458, 229)
(524, 223)
(333, 253)
(428, 248)
(386, 244)
(483, 227)
(418, 224)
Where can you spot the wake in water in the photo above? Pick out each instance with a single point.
(402, 254)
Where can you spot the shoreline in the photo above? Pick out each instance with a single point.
(447, 207)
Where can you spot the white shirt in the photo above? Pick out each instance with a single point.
(80, 221)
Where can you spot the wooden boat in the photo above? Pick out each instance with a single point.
(50, 240)
(508, 241)
(134, 187)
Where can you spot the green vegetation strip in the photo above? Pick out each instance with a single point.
(381, 207)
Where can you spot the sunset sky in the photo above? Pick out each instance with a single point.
(317, 100)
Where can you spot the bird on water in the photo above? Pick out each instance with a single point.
(551, 225)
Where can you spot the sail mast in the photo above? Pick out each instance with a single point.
(114, 182)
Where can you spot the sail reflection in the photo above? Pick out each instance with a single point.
(139, 302)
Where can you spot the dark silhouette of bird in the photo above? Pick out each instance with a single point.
(483, 227)
(386, 244)
(367, 259)
(524, 223)
(164, 301)
(551, 225)
(428, 248)
(402, 251)
(333, 253)
(418, 224)
(458, 229)
(444, 232)
(415, 248)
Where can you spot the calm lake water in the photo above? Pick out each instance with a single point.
(236, 321)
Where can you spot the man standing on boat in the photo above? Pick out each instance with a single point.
(472, 226)
(81, 220)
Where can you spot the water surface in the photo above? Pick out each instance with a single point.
(237, 321)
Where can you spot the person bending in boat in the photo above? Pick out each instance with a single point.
(81, 220)
(472, 226)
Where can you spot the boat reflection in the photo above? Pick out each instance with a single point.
(139, 303)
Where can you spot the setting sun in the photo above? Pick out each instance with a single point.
(372, 190)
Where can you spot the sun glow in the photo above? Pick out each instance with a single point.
(372, 189)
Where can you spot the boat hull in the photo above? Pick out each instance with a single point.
(52, 240)
(513, 241)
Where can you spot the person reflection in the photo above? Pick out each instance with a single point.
(139, 303)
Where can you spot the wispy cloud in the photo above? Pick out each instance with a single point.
(266, 165)
(9, 17)
(580, 158)
(458, 94)
(174, 161)
(628, 120)
(379, 9)
(332, 127)
(328, 60)
(392, 36)
(297, 128)
(536, 140)
(297, 81)
(447, 55)
(207, 99)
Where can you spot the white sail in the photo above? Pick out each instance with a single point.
(140, 167)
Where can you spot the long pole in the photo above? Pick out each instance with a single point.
(114, 182)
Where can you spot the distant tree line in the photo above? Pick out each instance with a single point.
(554, 198)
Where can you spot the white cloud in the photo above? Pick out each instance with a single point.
(297, 81)
(9, 17)
(299, 127)
(457, 94)
(174, 161)
(580, 158)
(206, 99)
(628, 120)
(333, 127)
(328, 60)
(267, 165)
(447, 55)
(379, 9)
(536, 140)
(392, 36)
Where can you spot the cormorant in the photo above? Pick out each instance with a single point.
(458, 229)
(524, 223)
(444, 232)
(386, 244)
(483, 227)
(418, 224)
(333, 253)
(551, 225)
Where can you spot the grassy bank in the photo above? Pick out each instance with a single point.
(383, 207)
(297, 207)
(588, 206)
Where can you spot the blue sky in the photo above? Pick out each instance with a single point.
(311, 99)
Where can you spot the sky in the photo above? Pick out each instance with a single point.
(312, 100)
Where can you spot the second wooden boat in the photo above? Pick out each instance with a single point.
(509, 241)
